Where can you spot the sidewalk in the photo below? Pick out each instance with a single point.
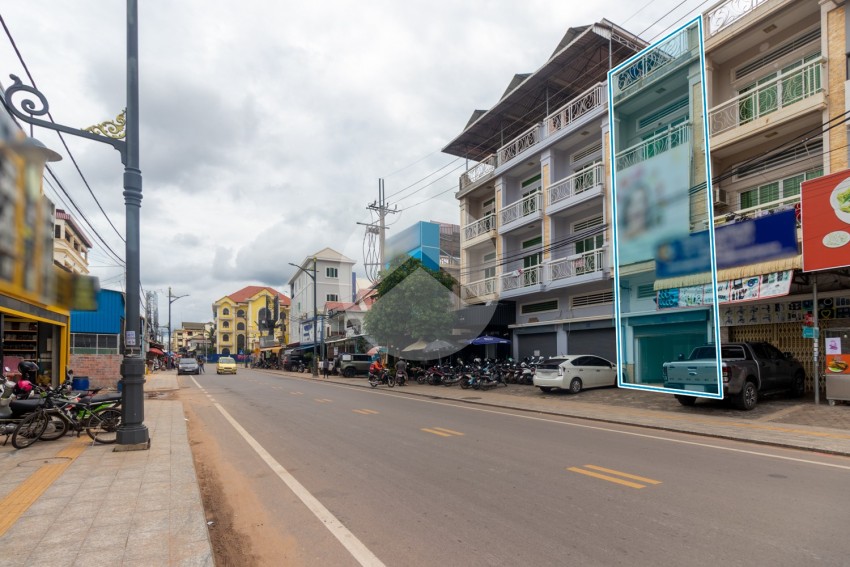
(781, 422)
(69, 502)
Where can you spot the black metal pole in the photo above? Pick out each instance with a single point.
(133, 433)
(315, 335)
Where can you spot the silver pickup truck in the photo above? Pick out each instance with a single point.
(748, 370)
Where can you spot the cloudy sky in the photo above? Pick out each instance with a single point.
(266, 125)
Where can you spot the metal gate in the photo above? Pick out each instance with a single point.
(601, 342)
(545, 343)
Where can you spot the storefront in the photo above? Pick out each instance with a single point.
(34, 332)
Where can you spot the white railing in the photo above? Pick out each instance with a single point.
(449, 261)
(653, 146)
(521, 278)
(519, 144)
(730, 12)
(479, 288)
(652, 62)
(788, 88)
(759, 210)
(478, 171)
(577, 183)
(522, 208)
(576, 265)
(479, 227)
(589, 100)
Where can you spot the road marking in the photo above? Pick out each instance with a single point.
(365, 411)
(606, 477)
(19, 500)
(297, 393)
(627, 475)
(442, 431)
(322, 400)
(362, 554)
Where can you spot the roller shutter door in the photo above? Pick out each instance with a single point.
(601, 342)
(546, 343)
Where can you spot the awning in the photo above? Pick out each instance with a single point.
(155, 351)
(792, 263)
(271, 348)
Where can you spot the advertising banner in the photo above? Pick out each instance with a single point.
(825, 203)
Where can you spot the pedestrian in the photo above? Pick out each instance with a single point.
(325, 365)
(201, 364)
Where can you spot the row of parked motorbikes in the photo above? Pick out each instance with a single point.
(481, 374)
(30, 412)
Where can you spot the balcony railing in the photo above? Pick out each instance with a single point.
(589, 100)
(479, 227)
(577, 183)
(654, 146)
(479, 288)
(449, 261)
(519, 144)
(786, 89)
(524, 277)
(478, 171)
(730, 12)
(652, 62)
(758, 211)
(522, 208)
(576, 265)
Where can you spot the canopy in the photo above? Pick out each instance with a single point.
(155, 351)
(438, 345)
(488, 340)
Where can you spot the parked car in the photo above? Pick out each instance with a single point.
(226, 365)
(748, 370)
(188, 365)
(575, 372)
(350, 364)
(292, 360)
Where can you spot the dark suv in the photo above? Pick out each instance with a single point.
(292, 361)
(351, 364)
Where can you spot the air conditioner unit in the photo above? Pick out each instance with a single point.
(720, 197)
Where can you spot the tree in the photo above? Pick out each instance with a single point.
(413, 303)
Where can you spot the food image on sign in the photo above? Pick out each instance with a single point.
(836, 364)
(840, 200)
(836, 239)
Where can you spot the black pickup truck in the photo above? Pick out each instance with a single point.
(748, 369)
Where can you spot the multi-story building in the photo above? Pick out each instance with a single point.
(335, 284)
(70, 244)
(244, 321)
(534, 219)
(185, 338)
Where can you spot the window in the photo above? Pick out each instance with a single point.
(240, 326)
(488, 207)
(332, 297)
(590, 243)
(240, 313)
(225, 324)
(332, 273)
(646, 291)
(91, 343)
(490, 271)
(776, 190)
(551, 305)
(225, 337)
(57, 231)
(601, 298)
(531, 260)
(581, 225)
(225, 311)
(768, 93)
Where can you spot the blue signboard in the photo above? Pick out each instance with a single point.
(748, 242)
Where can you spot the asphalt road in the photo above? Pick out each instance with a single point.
(429, 482)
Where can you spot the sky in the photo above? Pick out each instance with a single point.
(265, 126)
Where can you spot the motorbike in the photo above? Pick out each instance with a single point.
(385, 377)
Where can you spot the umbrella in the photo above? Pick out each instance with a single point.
(418, 345)
(376, 350)
(488, 340)
(437, 346)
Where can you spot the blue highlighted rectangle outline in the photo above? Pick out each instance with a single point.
(710, 208)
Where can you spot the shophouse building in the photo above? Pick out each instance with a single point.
(534, 203)
(244, 321)
(70, 244)
(184, 339)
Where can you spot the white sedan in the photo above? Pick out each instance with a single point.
(575, 372)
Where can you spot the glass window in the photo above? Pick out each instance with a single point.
(332, 297)
(240, 313)
(225, 311)
(107, 341)
(332, 272)
(591, 243)
(240, 326)
(225, 324)
(225, 337)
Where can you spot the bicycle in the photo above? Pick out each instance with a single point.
(100, 423)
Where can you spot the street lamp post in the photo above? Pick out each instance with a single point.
(312, 277)
(171, 299)
(123, 135)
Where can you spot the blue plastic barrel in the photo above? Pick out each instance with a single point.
(80, 383)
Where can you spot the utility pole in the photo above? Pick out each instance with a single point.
(171, 299)
(382, 208)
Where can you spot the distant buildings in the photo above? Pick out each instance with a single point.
(252, 318)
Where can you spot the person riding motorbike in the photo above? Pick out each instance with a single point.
(401, 372)
(376, 367)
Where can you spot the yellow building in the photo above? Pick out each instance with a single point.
(246, 320)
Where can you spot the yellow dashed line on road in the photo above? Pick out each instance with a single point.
(614, 479)
(442, 431)
(322, 400)
(365, 411)
(25, 495)
(297, 393)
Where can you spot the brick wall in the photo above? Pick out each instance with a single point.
(103, 370)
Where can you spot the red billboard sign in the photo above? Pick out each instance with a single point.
(825, 203)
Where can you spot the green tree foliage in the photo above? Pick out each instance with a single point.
(413, 303)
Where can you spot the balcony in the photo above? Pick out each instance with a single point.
(789, 95)
(778, 205)
(585, 103)
(520, 144)
(578, 187)
(522, 281)
(519, 213)
(481, 290)
(577, 268)
(478, 172)
(653, 146)
(728, 13)
(479, 231)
